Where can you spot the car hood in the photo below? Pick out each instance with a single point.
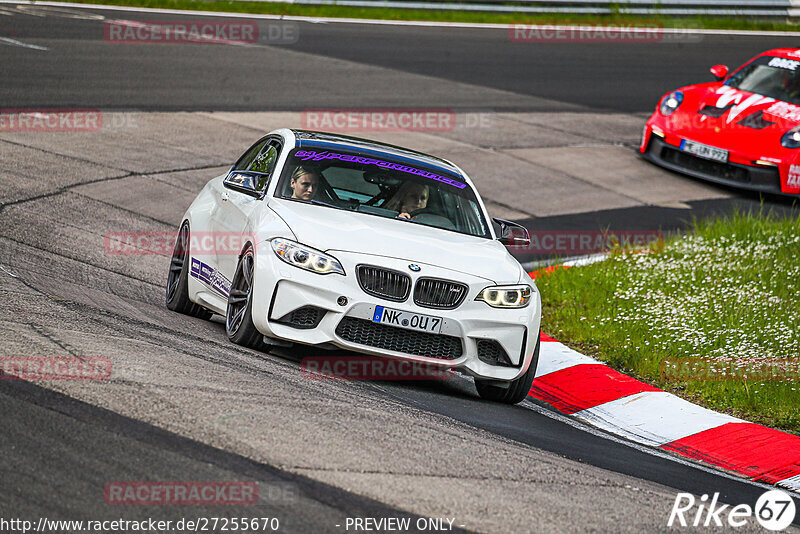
(330, 229)
(743, 126)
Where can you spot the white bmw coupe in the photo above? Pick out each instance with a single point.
(349, 243)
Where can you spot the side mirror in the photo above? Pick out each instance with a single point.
(720, 72)
(513, 234)
(247, 182)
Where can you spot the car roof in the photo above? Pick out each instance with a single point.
(307, 138)
(789, 53)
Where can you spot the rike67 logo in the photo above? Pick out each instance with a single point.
(774, 510)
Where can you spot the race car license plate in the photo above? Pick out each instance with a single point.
(704, 151)
(412, 321)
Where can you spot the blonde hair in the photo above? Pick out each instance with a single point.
(301, 170)
(396, 202)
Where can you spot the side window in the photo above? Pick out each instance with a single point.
(266, 160)
(247, 159)
(736, 79)
(260, 159)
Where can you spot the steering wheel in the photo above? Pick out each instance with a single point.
(431, 217)
(421, 211)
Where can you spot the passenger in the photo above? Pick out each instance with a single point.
(410, 197)
(304, 183)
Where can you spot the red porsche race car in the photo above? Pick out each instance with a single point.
(742, 130)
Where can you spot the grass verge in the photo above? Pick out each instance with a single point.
(735, 23)
(713, 316)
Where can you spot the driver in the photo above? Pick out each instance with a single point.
(410, 197)
(304, 183)
(791, 85)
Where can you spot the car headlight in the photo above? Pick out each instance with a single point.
(791, 139)
(517, 296)
(305, 257)
(671, 102)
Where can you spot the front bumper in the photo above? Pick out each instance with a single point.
(281, 290)
(764, 179)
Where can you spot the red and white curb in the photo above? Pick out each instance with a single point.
(590, 391)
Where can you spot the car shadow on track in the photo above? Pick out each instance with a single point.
(451, 384)
(386, 374)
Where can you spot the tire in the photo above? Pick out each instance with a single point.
(517, 389)
(177, 296)
(239, 315)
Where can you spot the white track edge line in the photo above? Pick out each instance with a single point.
(435, 24)
(14, 42)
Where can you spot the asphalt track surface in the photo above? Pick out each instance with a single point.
(179, 378)
(83, 70)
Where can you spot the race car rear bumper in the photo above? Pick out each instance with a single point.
(764, 179)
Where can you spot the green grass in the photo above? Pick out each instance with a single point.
(724, 296)
(741, 23)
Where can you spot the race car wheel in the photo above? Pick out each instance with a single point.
(239, 319)
(517, 390)
(177, 283)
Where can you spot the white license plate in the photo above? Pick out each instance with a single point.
(412, 321)
(704, 151)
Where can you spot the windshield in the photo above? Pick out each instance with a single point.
(382, 187)
(770, 76)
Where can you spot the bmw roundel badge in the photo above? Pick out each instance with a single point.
(414, 267)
